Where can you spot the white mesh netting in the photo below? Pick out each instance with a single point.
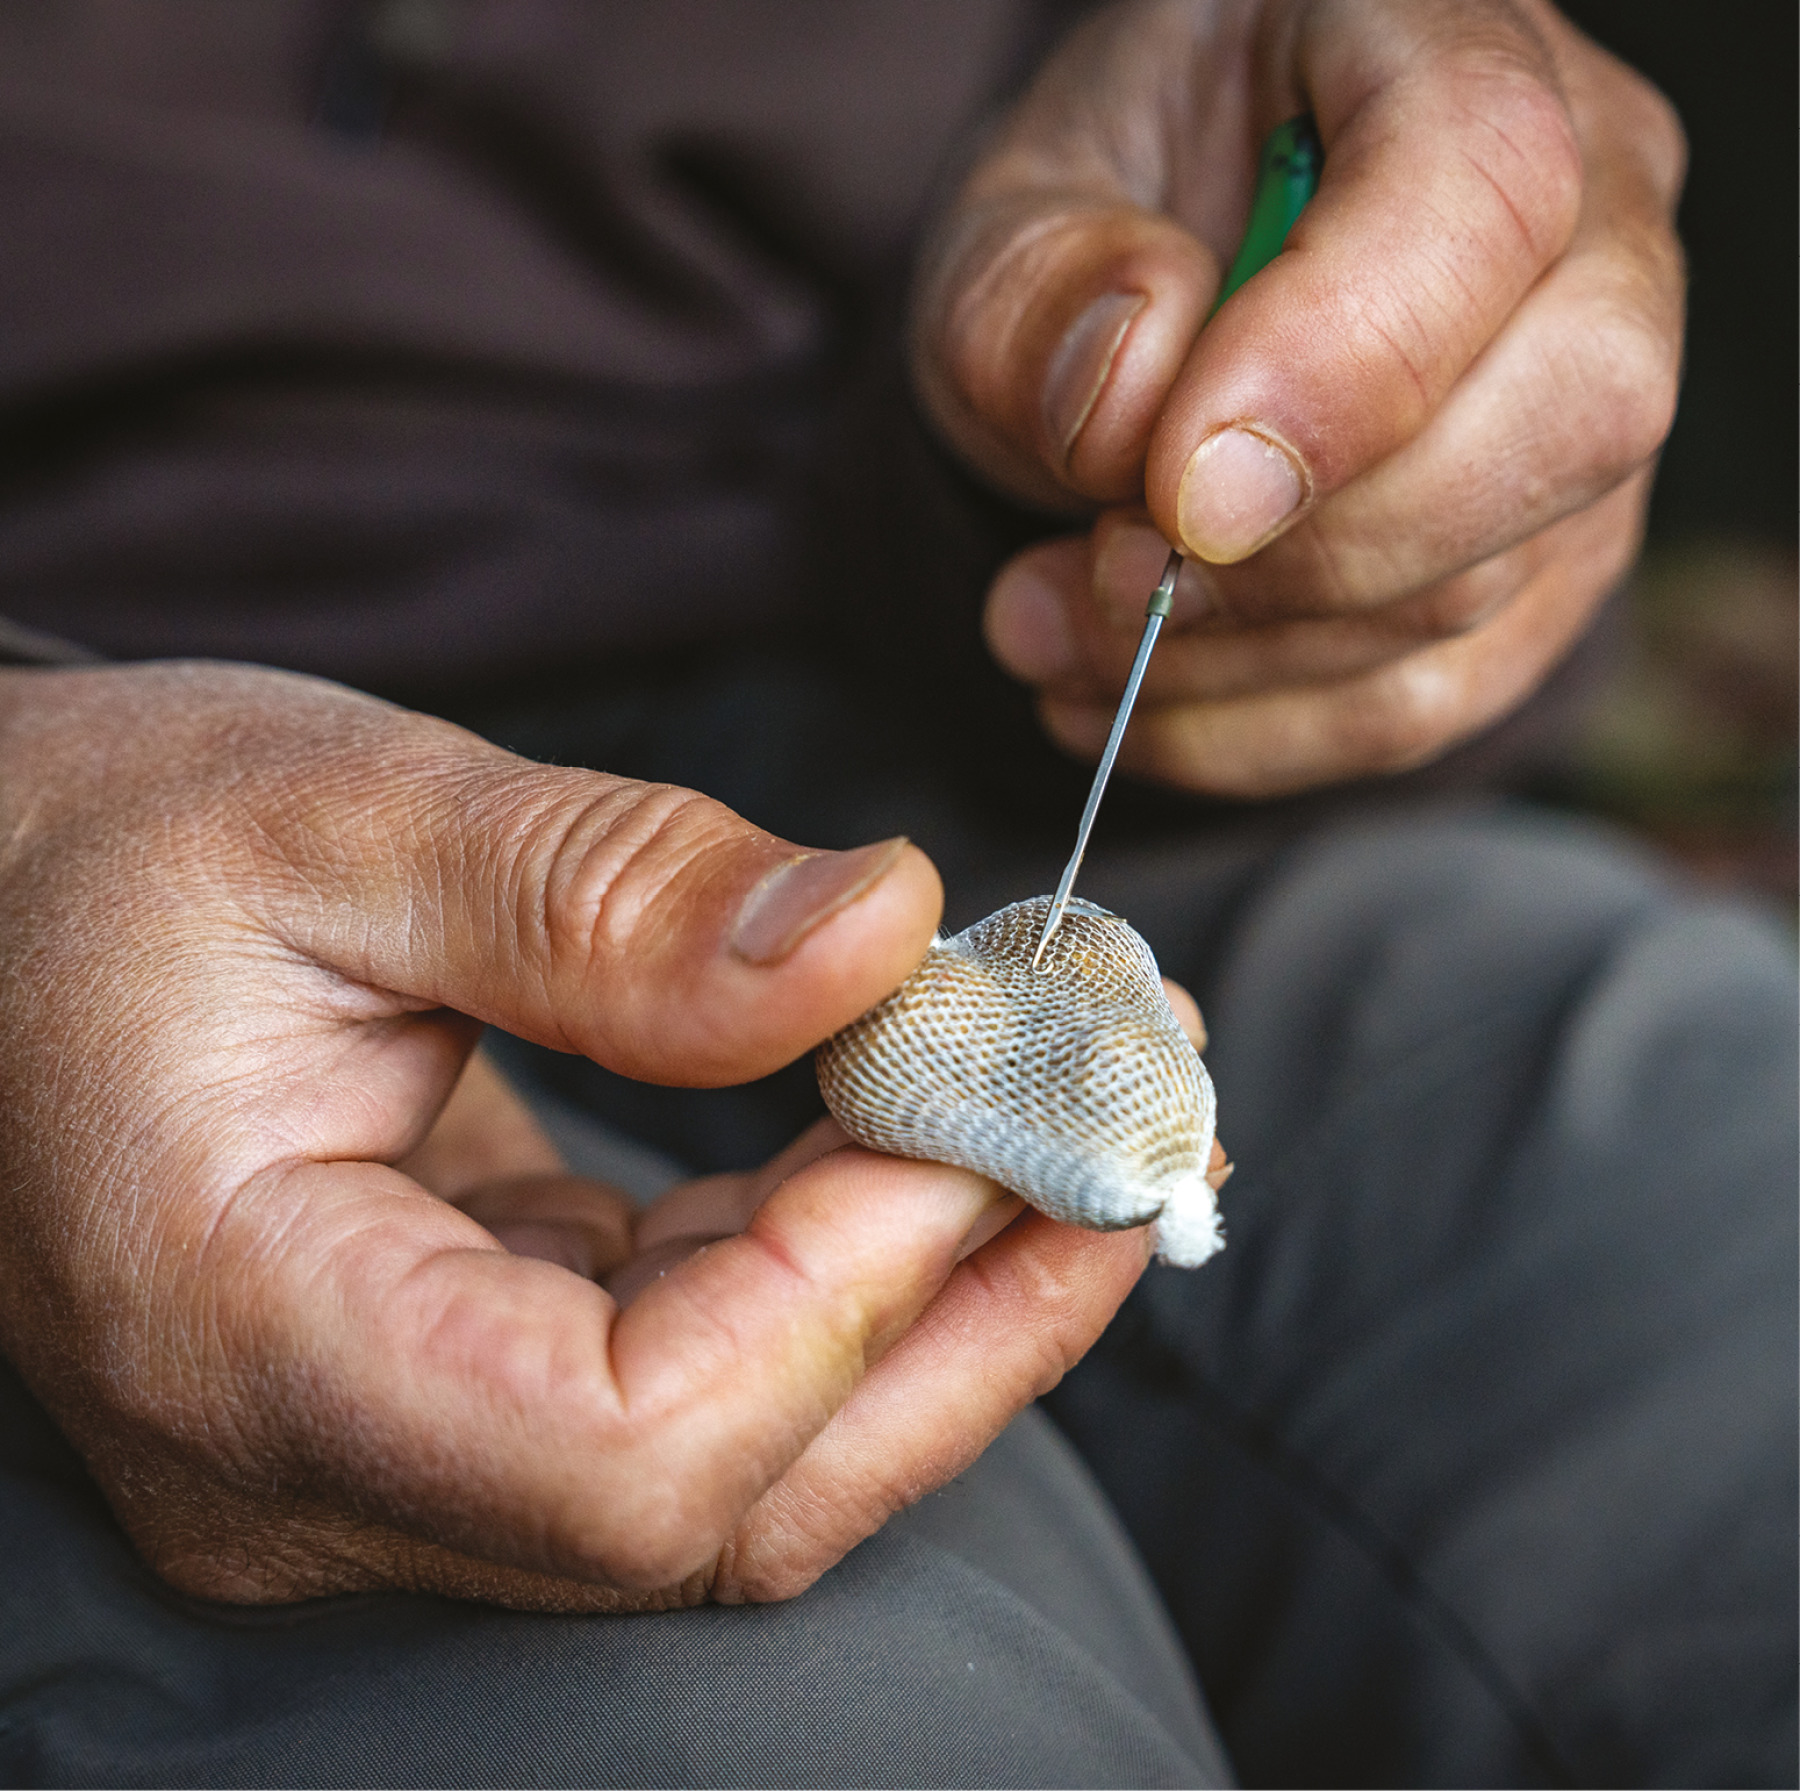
(1072, 1084)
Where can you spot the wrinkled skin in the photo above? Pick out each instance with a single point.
(243, 1263)
(311, 1292)
(1460, 370)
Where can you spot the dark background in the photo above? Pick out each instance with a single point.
(1730, 466)
(1691, 738)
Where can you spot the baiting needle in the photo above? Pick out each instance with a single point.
(1161, 602)
(1287, 176)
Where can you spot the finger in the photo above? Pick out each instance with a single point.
(681, 1222)
(1059, 297)
(715, 1206)
(1575, 393)
(709, 1207)
(503, 1408)
(701, 1212)
(1008, 1325)
(485, 1133)
(1215, 657)
(1187, 1012)
(1398, 715)
(1452, 179)
(646, 926)
(1067, 616)
(1074, 632)
(583, 1226)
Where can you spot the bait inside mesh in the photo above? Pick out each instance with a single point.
(1071, 1084)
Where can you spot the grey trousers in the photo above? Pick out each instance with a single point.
(1471, 1461)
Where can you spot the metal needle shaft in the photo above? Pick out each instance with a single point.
(1161, 601)
(1287, 177)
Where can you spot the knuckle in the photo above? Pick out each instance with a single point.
(1061, 1287)
(1520, 140)
(1661, 138)
(1412, 714)
(1632, 378)
(1498, 207)
(654, 1558)
(617, 860)
(1644, 123)
(1454, 607)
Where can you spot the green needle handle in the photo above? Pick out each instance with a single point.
(1287, 175)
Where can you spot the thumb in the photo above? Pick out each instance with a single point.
(1068, 279)
(642, 925)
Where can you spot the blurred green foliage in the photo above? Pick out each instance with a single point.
(1691, 737)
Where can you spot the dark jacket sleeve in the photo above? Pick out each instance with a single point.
(393, 342)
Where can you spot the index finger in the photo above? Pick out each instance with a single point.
(393, 1361)
(1452, 179)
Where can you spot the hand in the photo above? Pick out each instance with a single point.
(252, 924)
(1407, 460)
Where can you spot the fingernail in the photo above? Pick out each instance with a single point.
(1027, 627)
(1238, 488)
(795, 897)
(1128, 565)
(1081, 363)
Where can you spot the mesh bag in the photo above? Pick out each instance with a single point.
(1072, 1084)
